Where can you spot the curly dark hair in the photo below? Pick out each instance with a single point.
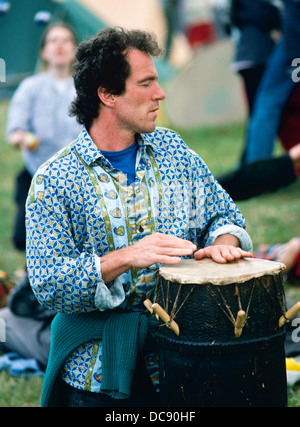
(101, 61)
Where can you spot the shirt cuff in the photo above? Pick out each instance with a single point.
(98, 265)
(240, 233)
(108, 298)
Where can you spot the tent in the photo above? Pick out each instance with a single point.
(206, 91)
(20, 35)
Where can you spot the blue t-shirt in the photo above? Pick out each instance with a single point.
(124, 160)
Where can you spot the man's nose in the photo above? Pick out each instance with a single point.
(160, 94)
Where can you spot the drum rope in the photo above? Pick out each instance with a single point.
(239, 297)
(250, 299)
(228, 313)
(279, 297)
(165, 300)
(173, 314)
(159, 288)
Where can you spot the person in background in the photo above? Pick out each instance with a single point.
(275, 89)
(253, 25)
(262, 176)
(288, 253)
(172, 11)
(38, 121)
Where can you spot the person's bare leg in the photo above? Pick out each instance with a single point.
(288, 257)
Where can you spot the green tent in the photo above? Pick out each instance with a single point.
(20, 35)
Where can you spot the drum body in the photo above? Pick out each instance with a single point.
(207, 364)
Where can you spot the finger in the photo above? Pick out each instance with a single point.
(238, 253)
(219, 258)
(177, 242)
(247, 254)
(231, 253)
(170, 251)
(167, 240)
(210, 252)
(163, 259)
(200, 254)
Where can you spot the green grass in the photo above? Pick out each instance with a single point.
(19, 392)
(271, 218)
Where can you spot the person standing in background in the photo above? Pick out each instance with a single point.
(38, 121)
(253, 25)
(276, 87)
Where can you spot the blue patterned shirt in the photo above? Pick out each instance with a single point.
(80, 207)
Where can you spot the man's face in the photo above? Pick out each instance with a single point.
(137, 107)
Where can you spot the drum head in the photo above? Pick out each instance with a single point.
(206, 271)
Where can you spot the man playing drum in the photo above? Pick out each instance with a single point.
(105, 212)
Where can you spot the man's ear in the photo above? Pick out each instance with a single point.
(106, 97)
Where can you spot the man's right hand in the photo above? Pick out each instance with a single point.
(156, 248)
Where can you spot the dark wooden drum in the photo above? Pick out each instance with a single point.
(226, 347)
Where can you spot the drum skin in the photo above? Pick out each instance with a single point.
(207, 365)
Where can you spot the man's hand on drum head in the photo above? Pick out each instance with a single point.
(222, 253)
(160, 248)
(225, 248)
(153, 249)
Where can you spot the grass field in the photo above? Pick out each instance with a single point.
(271, 218)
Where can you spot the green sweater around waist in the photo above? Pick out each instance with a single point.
(123, 335)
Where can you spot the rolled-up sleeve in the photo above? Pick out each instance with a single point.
(240, 233)
(108, 297)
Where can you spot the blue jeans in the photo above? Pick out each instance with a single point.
(275, 88)
(86, 399)
(143, 394)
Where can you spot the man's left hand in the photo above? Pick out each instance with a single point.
(222, 253)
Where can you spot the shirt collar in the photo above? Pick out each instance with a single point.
(89, 152)
(86, 148)
(147, 139)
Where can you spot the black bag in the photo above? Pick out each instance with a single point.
(23, 302)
